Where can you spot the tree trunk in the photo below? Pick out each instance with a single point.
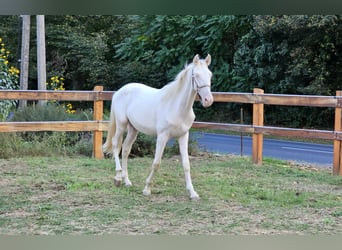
(41, 58)
(25, 51)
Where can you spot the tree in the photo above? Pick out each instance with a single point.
(291, 54)
(41, 57)
(166, 43)
(80, 48)
(25, 51)
(295, 54)
(161, 45)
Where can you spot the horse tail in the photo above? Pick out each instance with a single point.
(108, 146)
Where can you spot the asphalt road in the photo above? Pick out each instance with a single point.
(318, 154)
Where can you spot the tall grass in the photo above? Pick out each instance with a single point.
(46, 143)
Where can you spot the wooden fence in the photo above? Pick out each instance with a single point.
(258, 99)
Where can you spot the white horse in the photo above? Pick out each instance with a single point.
(166, 113)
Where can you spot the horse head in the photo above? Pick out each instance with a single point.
(201, 80)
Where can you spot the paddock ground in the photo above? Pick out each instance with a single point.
(72, 196)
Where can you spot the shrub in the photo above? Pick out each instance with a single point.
(143, 146)
(8, 80)
(10, 145)
(47, 143)
(40, 113)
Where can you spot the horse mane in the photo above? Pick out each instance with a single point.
(174, 86)
(181, 74)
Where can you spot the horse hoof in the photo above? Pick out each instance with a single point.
(193, 195)
(117, 183)
(128, 183)
(195, 198)
(146, 192)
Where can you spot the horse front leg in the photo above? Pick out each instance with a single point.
(183, 148)
(161, 143)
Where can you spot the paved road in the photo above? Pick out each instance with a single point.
(319, 154)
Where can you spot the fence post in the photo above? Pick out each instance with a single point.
(98, 116)
(337, 162)
(258, 120)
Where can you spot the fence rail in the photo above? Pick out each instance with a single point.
(258, 99)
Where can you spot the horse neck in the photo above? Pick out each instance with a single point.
(182, 96)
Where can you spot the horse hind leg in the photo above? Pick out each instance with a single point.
(117, 144)
(126, 149)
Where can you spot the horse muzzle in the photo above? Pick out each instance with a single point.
(206, 99)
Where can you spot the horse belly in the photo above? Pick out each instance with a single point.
(142, 116)
(143, 121)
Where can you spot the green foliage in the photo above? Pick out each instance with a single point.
(77, 55)
(50, 112)
(80, 48)
(143, 146)
(46, 143)
(163, 44)
(291, 54)
(8, 81)
(166, 43)
(295, 54)
(11, 145)
(50, 144)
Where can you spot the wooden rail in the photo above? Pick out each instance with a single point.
(258, 99)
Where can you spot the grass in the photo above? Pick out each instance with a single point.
(76, 195)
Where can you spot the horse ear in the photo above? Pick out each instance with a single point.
(208, 59)
(196, 59)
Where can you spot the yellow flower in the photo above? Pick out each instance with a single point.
(13, 70)
(6, 62)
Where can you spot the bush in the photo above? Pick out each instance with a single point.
(10, 145)
(143, 146)
(46, 143)
(8, 80)
(40, 113)
(49, 112)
